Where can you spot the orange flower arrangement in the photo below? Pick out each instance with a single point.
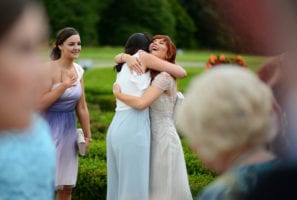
(215, 60)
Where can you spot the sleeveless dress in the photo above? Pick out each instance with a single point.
(168, 173)
(128, 143)
(61, 118)
(27, 162)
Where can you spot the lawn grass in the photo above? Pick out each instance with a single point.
(100, 52)
(100, 80)
(104, 57)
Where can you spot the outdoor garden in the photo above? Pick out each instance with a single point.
(101, 102)
(203, 34)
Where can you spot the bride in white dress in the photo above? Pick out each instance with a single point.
(168, 173)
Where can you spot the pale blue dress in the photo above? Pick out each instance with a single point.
(128, 143)
(27, 163)
(62, 120)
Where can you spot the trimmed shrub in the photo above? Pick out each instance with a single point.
(92, 174)
(102, 101)
(92, 179)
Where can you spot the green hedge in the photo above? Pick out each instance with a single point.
(92, 175)
(92, 179)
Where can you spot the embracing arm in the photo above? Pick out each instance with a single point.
(83, 116)
(140, 103)
(155, 63)
(151, 62)
(132, 61)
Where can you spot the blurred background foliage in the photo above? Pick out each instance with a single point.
(192, 24)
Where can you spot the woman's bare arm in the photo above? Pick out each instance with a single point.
(151, 62)
(155, 63)
(133, 62)
(83, 116)
(140, 103)
(49, 95)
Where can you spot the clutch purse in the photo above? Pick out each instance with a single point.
(81, 142)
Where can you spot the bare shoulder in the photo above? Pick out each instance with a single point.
(52, 70)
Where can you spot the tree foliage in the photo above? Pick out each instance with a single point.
(184, 27)
(210, 32)
(122, 19)
(83, 16)
(190, 23)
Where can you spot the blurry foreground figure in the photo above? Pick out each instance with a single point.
(228, 117)
(266, 27)
(27, 154)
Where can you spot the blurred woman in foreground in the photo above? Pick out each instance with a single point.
(27, 154)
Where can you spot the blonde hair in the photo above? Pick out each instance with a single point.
(227, 108)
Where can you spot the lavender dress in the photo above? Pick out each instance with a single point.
(62, 120)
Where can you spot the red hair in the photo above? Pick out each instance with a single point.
(171, 51)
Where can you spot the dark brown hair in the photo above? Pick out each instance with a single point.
(137, 41)
(62, 35)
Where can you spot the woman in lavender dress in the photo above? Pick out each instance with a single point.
(64, 97)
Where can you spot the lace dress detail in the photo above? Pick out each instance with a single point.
(169, 179)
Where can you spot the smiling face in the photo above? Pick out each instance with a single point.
(159, 48)
(163, 48)
(20, 65)
(71, 47)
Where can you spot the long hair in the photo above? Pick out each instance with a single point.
(137, 41)
(62, 35)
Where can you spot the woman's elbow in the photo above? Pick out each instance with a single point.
(182, 74)
(41, 106)
(141, 106)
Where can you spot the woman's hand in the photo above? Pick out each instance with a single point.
(134, 64)
(88, 140)
(116, 89)
(69, 80)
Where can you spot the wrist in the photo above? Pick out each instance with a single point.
(88, 139)
(63, 85)
(122, 58)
